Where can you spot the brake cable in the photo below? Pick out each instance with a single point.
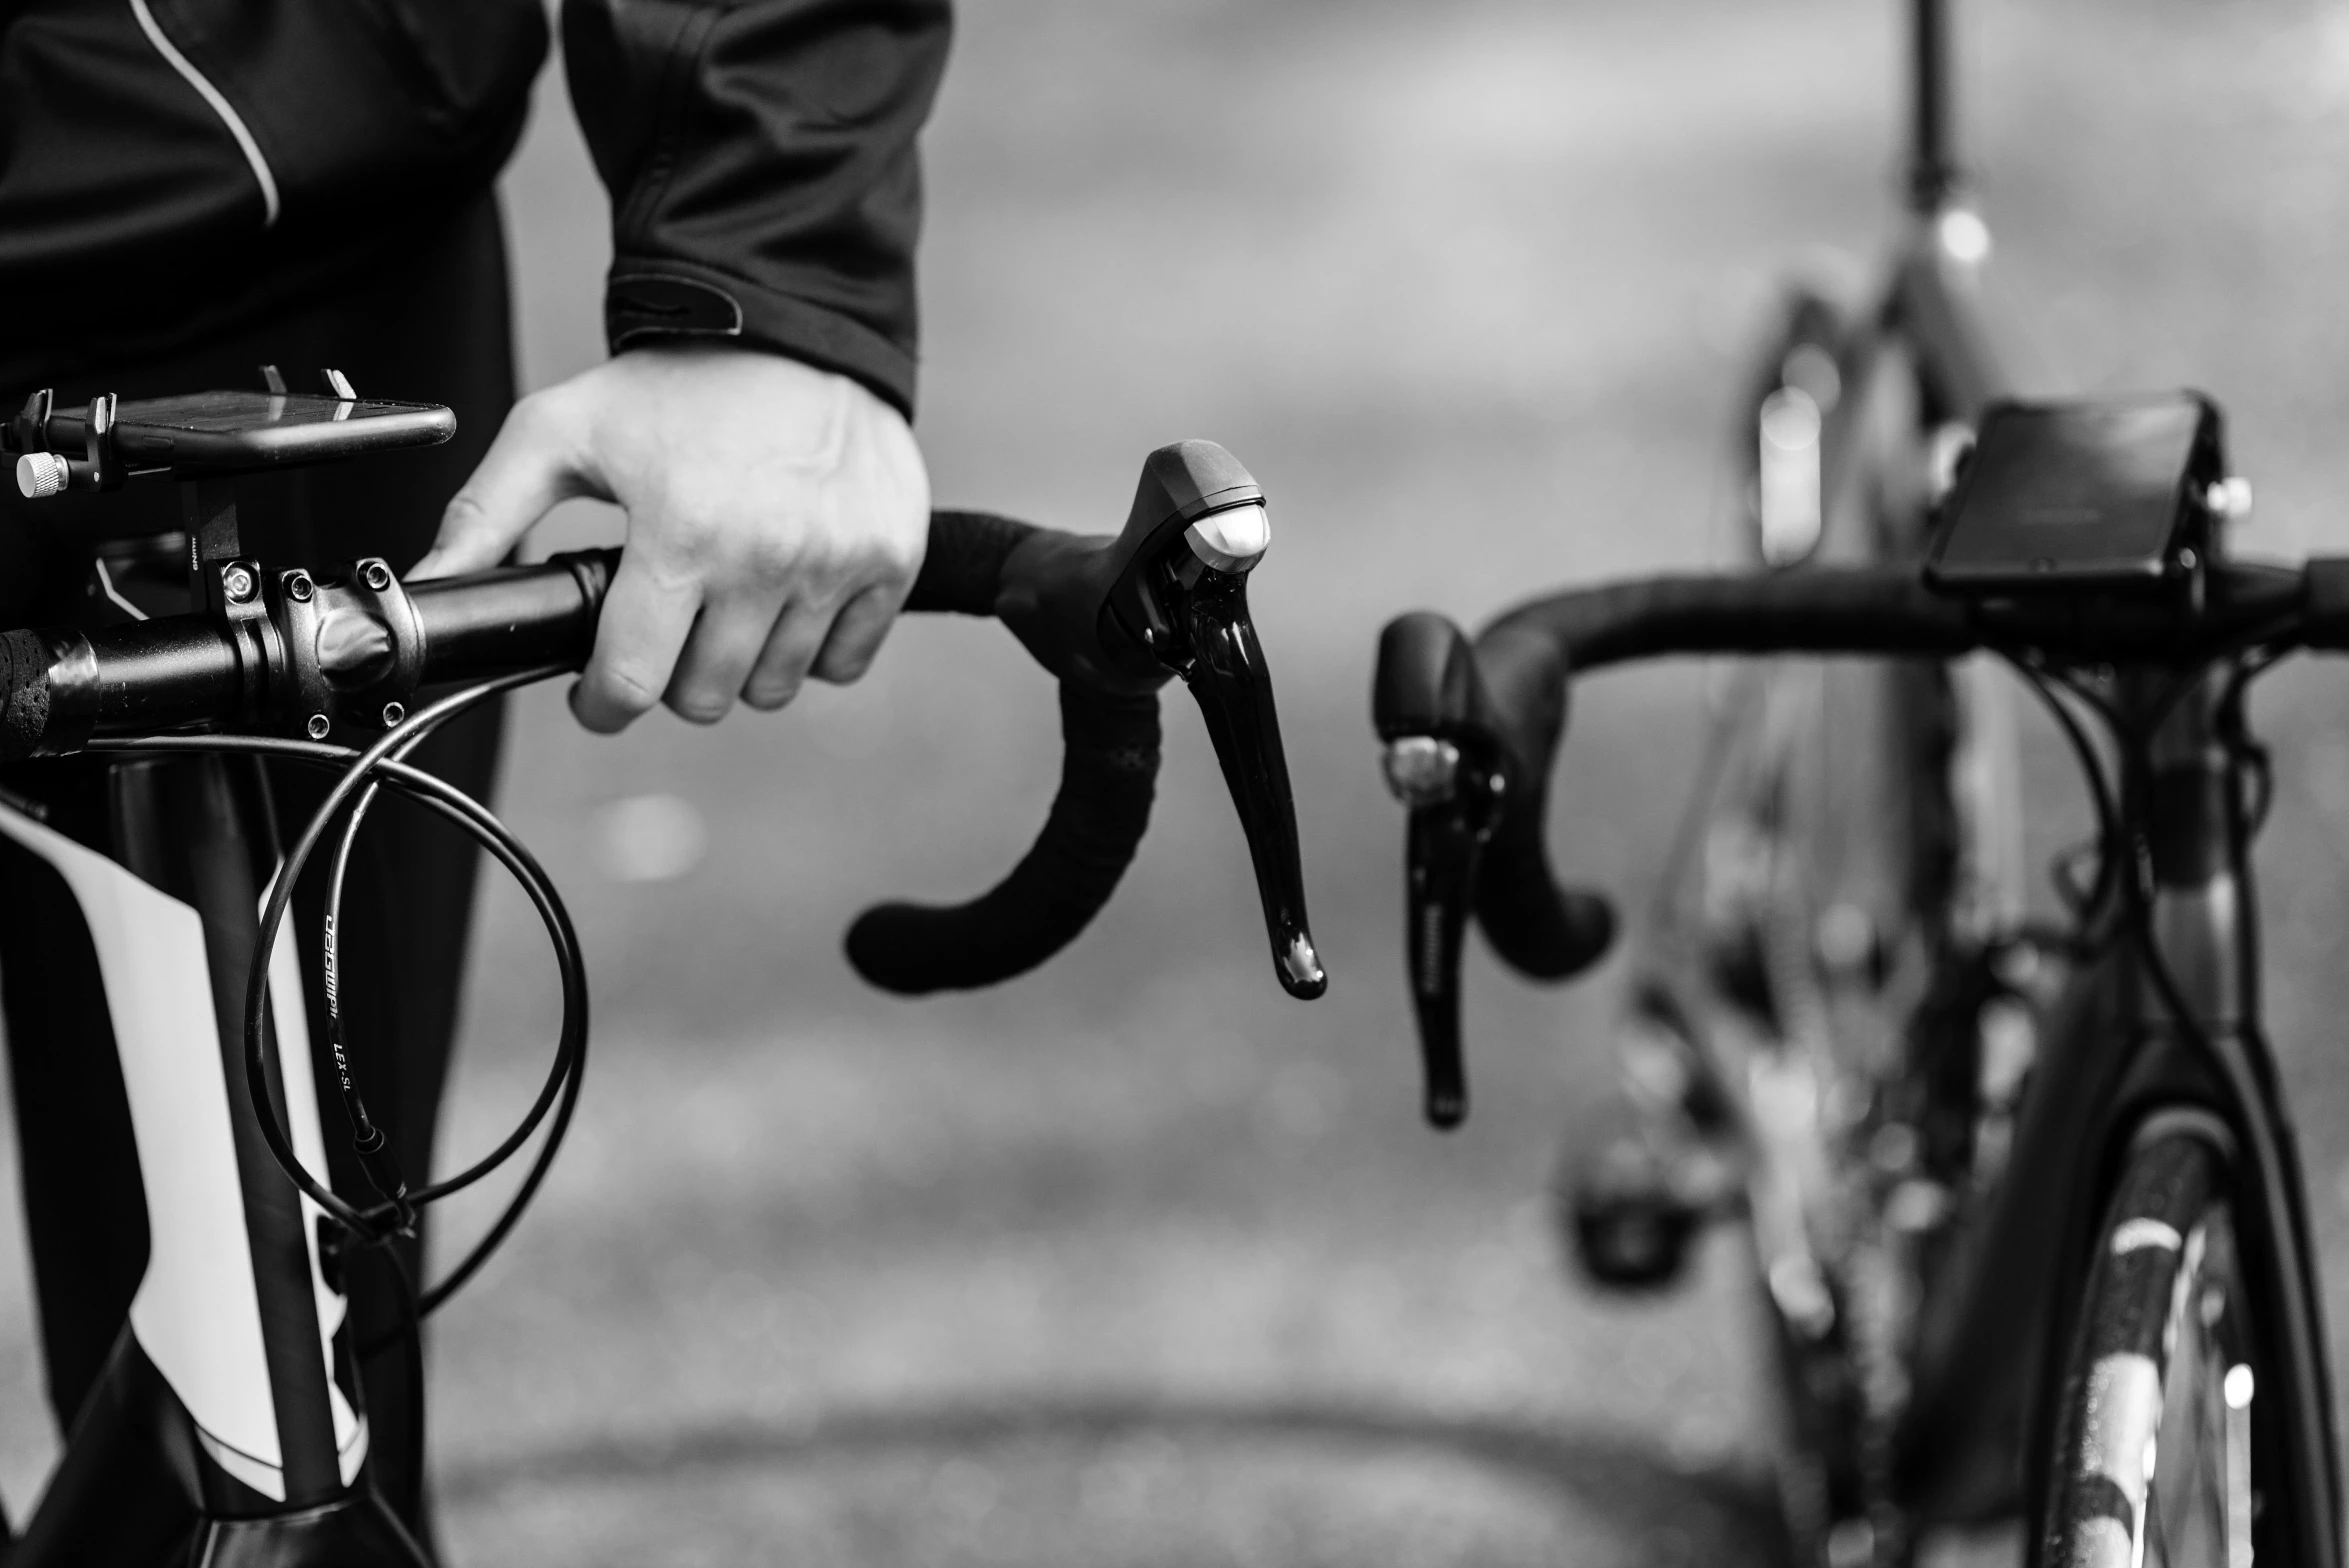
(364, 775)
(2111, 846)
(2134, 910)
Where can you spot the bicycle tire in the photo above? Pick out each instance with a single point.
(2153, 1459)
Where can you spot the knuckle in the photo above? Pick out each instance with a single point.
(846, 667)
(768, 559)
(624, 688)
(463, 518)
(690, 537)
(700, 707)
(768, 696)
(537, 416)
(902, 552)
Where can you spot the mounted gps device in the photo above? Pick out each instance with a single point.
(2105, 495)
(208, 441)
(206, 435)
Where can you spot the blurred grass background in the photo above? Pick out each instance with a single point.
(1135, 1261)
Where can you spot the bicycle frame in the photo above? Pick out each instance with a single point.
(2117, 1060)
(229, 1410)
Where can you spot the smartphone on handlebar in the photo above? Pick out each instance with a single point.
(206, 434)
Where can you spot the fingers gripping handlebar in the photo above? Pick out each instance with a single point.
(1112, 618)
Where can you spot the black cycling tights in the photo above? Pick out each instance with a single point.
(428, 323)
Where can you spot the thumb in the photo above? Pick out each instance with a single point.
(528, 468)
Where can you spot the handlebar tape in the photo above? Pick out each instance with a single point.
(1550, 932)
(2327, 625)
(1108, 775)
(1539, 928)
(962, 570)
(24, 687)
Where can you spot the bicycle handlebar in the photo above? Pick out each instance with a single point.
(1112, 618)
(1472, 730)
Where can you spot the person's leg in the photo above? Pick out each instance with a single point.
(430, 325)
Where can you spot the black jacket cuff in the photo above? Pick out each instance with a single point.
(652, 301)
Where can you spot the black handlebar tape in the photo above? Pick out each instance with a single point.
(24, 678)
(2325, 625)
(1539, 928)
(1107, 777)
(962, 571)
(1551, 932)
(1885, 610)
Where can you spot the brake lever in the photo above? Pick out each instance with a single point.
(1179, 601)
(1444, 764)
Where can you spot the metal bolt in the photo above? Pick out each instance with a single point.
(375, 575)
(237, 583)
(297, 587)
(392, 714)
(318, 726)
(2229, 498)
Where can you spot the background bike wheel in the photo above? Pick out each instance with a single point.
(2153, 1447)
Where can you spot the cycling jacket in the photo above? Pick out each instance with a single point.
(169, 168)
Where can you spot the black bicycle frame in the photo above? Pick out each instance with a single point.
(1933, 173)
(2116, 1059)
(229, 1412)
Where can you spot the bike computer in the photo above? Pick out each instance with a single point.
(207, 435)
(2103, 495)
(233, 432)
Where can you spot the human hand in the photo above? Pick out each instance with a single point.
(776, 518)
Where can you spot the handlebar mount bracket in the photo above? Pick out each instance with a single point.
(354, 652)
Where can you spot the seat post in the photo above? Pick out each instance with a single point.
(1932, 155)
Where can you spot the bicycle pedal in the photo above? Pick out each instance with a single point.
(1633, 1214)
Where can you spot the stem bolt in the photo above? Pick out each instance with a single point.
(392, 714)
(319, 724)
(297, 587)
(375, 575)
(237, 583)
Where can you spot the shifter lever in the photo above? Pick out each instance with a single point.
(1197, 528)
(1446, 768)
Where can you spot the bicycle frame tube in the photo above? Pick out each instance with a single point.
(228, 1409)
(1932, 157)
(1931, 307)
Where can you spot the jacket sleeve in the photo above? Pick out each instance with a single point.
(760, 159)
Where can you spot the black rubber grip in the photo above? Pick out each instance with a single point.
(1107, 777)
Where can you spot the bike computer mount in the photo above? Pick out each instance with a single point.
(206, 441)
(2113, 496)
